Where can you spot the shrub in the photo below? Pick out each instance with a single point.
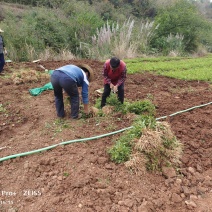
(181, 18)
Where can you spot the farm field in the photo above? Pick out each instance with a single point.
(80, 176)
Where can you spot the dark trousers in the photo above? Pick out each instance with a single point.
(2, 62)
(62, 81)
(107, 91)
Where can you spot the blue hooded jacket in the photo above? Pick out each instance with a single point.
(79, 76)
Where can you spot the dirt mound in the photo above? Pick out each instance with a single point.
(80, 176)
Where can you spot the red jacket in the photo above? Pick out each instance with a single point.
(117, 77)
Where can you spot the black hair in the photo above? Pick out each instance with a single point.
(114, 62)
(86, 71)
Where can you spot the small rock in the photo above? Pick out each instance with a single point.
(60, 178)
(208, 178)
(182, 195)
(199, 168)
(120, 202)
(176, 198)
(193, 197)
(168, 172)
(102, 160)
(190, 203)
(142, 209)
(198, 176)
(26, 165)
(202, 189)
(109, 166)
(191, 170)
(207, 181)
(12, 210)
(129, 203)
(178, 181)
(185, 190)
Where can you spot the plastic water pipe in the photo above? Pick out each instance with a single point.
(92, 138)
(59, 144)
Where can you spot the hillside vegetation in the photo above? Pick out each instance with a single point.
(98, 29)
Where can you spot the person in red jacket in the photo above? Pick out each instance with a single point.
(114, 73)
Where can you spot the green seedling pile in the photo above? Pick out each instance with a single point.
(149, 142)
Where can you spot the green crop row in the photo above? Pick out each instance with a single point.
(181, 68)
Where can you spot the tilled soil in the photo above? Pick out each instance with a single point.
(80, 176)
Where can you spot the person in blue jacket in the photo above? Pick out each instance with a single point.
(69, 78)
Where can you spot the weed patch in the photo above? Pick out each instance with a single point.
(2, 108)
(57, 126)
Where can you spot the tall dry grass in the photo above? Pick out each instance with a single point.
(156, 149)
(49, 54)
(128, 40)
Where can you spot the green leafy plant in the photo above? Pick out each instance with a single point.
(85, 115)
(2, 108)
(57, 126)
(113, 101)
(145, 110)
(122, 149)
(66, 174)
(141, 107)
(186, 68)
(138, 107)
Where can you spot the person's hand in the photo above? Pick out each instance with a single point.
(111, 86)
(115, 89)
(86, 111)
(86, 114)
